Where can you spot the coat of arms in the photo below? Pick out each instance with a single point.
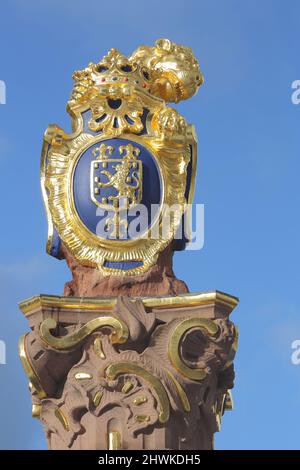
(128, 150)
(116, 181)
(116, 184)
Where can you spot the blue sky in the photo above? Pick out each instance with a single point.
(248, 179)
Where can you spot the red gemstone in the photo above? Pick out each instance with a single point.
(125, 79)
(102, 79)
(144, 85)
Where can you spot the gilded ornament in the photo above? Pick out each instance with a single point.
(129, 147)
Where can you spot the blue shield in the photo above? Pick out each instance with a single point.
(112, 178)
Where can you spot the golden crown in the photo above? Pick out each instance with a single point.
(167, 70)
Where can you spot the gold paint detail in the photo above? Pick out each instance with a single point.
(178, 334)
(119, 368)
(127, 387)
(218, 420)
(181, 393)
(83, 376)
(97, 398)
(118, 180)
(234, 347)
(36, 411)
(228, 401)
(138, 401)
(98, 348)
(114, 440)
(142, 418)
(222, 404)
(62, 418)
(107, 304)
(119, 334)
(29, 370)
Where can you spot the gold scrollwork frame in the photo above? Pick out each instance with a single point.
(120, 368)
(119, 334)
(28, 368)
(59, 160)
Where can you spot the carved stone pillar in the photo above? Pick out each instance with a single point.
(127, 358)
(126, 373)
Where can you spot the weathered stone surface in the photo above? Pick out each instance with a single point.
(121, 376)
(89, 282)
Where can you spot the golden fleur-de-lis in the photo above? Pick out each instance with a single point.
(103, 151)
(131, 152)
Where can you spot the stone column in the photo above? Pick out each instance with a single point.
(127, 358)
(130, 373)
